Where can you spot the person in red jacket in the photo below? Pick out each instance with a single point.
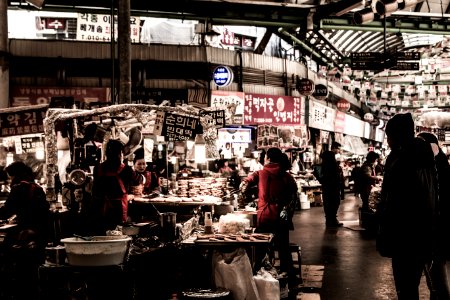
(277, 189)
(150, 183)
(112, 179)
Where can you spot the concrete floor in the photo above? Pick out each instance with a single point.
(352, 268)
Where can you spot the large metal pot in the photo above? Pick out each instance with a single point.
(222, 209)
(168, 222)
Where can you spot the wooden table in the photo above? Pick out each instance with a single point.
(229, 245)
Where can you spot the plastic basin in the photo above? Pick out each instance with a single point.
(100, 251)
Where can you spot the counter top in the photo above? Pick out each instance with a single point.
(173, 200)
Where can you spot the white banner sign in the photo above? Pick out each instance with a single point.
(97, 28)
(321, 116)
(354, 126)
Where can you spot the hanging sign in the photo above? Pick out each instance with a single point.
(369, 117)
(223, 76)
(98, 28)
(21, 122)
(30, 144)
(232, 103)
(217, 117)
(343, 105)
(320, 92)
(175, 127)
(269, 109)
(305, 86)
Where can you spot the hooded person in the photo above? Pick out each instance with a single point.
(276, 189)
(407, 211)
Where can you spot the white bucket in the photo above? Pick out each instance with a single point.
(305, 204)
(303, 197)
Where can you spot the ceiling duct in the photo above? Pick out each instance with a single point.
(384, 7)
(364, 16)
(402, 4)
(346, 6)
(36, 3)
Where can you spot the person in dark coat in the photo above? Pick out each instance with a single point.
(276, 190)
(368, 178)
(407, 212)
(331, 185)
(436, 273)
(356, 172)
(112, 179)
(23, 249)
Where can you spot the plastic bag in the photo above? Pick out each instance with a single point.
(268, 286)
(234, 272)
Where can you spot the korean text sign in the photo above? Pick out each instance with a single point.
(22, 122)
(97, 28)
(270, 109)
(176, 127)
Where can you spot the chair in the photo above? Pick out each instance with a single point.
(296, 252)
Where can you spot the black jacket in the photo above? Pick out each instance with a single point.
(407, 211)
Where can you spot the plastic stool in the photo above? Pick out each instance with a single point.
(296, 261)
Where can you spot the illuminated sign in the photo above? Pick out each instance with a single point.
(223, 76)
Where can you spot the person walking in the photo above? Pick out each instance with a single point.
(407, 214)
(436, 272)
(277, 190)
(331, 185)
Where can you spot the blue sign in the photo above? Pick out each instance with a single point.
(223, 76)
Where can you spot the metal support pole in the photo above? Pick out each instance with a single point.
(4, 55)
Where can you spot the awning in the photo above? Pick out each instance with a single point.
(354, 145)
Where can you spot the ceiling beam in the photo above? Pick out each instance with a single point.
(393, 25)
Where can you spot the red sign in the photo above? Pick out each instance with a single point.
(24, 96)
(343, 105)
(339, 123)
(305, 86)
(270, 109)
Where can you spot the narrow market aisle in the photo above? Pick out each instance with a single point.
(352, 269)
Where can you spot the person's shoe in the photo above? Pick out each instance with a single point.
(334, 224)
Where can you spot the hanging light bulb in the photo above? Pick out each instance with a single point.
(9, 158)
(40, 152)
(200, 149)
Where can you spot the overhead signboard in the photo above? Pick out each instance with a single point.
(270, 109)
(320, 92)
(97, 28)
(217, 117)
(305, 86)
(30, 95)
(22, 121)
(366, 56)
(175, 127)
(367, 65)
(233, 104)
(223, 76)
(407, 55)
(404, 66)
